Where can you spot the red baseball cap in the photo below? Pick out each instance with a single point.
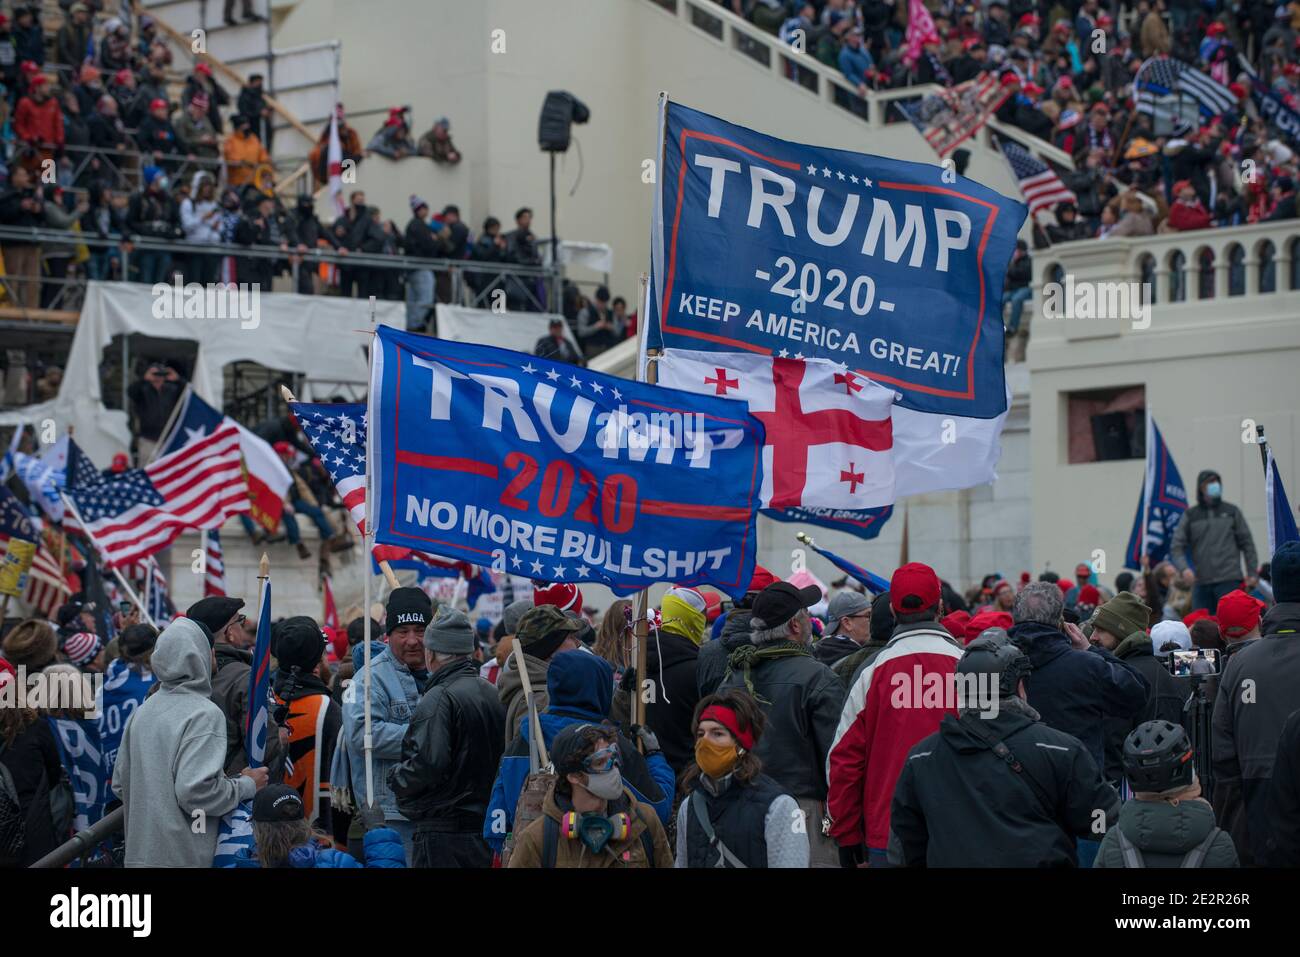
(762, 578)
(282, 448)
(1063, 584)
(1201, 614)
(1083, 570)
(203, 68)
(914, 587)
(120, 462)
(712, 605)
(157, 103)
(956, 623)
(1089, 595)
(1238, 613)
(983, 622)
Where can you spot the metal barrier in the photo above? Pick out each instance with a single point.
(471, 282)
(85, 841)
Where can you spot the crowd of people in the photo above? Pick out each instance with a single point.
(133, 161)
(1048, 723)
(1070, 69)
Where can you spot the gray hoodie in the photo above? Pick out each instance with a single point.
(169, 771)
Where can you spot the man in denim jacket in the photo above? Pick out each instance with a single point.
(396, 676)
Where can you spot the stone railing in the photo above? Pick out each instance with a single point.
(758, 47)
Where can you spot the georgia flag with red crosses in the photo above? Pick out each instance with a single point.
(830, 439)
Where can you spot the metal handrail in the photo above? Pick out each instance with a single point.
(84, 841)
(146, 244)
(876, 104)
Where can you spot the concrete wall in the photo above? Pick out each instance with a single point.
(1207, 365)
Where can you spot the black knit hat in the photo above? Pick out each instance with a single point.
(298, 642)
(407, 606)
(882, 618)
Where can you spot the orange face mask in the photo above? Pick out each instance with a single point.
(715, 760)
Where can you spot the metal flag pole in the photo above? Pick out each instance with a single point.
(130, 592)
(367, 540)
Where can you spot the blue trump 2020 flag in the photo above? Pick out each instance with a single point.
(544, 469)
(1160, 506)
(785, 249)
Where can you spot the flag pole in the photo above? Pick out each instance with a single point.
(117, 573)
(367, 536)
(164, 437)
(640, 625)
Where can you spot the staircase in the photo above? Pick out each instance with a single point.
(301, 82)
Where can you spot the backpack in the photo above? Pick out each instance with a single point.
(13, 822)
(541, 776)
(1193, 858)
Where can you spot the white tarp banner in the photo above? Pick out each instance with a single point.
(506, 330)
(323, 337)
(598, 257)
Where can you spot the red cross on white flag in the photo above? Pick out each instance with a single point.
(829, 432)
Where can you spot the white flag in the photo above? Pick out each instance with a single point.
(931, 452)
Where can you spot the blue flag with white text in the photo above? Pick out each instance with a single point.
(1160, 506)
(784, 249)
(547, 470)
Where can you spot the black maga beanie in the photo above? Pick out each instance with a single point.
(407, 606)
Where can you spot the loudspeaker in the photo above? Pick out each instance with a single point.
(559, 111)
(1110, 435)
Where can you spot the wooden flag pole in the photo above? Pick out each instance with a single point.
(641, 624)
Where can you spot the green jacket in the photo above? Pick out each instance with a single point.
(1164, 833)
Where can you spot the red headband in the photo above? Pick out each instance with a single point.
(727, 718)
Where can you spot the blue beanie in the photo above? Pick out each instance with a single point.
(1284, 572)
(150, 173)
(579, 680)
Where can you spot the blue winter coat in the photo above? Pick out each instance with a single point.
(1074, 690)
(580, 687)
(383, 848)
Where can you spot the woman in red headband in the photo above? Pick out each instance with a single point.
(733, 814)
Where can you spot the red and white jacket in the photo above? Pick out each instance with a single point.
(896, 701)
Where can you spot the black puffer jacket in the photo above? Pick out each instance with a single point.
(712, 665)
(451, 751)
(957, 804)
(802, 700)
(230, 694)
(671, 666)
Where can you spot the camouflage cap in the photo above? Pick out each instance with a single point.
(543, 628)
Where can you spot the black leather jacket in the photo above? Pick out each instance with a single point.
(451, 751)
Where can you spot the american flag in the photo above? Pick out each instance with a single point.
(1166, 78)
(214, 576)
(142, 511)
(1041, 187)
(337, 431)
(151, 582)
